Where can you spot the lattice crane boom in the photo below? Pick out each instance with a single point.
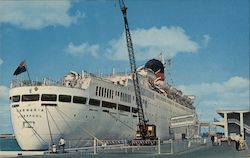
(142, 121)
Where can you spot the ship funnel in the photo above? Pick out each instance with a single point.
(157, 66)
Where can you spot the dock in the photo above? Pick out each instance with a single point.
(203, 151)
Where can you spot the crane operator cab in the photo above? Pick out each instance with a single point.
(150, 130)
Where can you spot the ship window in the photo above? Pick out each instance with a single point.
(99, 91)
(29, 124)
(64, 98)
(129, 98)
(15, 98)
(123, 108)
(134, 110)
(94, 102)
(105, 92)
(48, 97)
(47, 104)
(121, 97)
(96, 91)
(108, 105)
(30, 97)
(102, 92)
(79, 100)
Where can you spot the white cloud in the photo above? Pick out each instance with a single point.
(206, 40)
(4, 93)
(84, 48)
(231, 94)
(5, 126)
(37, 14)
(1, 61)
(148, 42)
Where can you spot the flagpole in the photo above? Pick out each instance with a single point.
(26, 67)
(28, 75)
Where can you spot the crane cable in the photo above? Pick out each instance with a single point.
(36, 133)
(49, 125)
(55, 123)
(120, 121)
(85, 130)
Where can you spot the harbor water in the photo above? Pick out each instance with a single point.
(9, 144)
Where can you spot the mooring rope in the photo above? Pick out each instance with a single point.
(32, 128)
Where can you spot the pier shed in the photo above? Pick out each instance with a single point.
(234, 122)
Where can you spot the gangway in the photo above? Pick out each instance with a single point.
(183, 121)
(237, 122)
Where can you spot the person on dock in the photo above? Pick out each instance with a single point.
(229, 140)
(237, 139)
(219, 141)
(241, 143)
(62, 144)
(212, 139)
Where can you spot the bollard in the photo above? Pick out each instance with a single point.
(125, 144)
(94, 146)
(54, 148)
(159, 146)
(172, 146)
(189, 143)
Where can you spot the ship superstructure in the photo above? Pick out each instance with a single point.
(83, 106)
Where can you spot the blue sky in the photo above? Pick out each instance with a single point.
(208, 41)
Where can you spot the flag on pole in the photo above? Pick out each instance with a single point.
(21, 68)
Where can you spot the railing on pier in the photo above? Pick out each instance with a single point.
(133, 146)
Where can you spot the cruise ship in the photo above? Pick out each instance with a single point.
(83, 106)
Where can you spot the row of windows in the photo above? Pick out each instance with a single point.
(125, 97)
(104, 92)
(109, 93)
(110, 105)
(67, 98)
(48, 97)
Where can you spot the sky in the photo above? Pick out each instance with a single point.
(207, 40)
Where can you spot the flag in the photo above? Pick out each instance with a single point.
(21, 68)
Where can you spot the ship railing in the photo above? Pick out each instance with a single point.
(99, 77)
(44, 82)
(156, 146)
(118, 74)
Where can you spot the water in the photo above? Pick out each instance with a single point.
(9, 144)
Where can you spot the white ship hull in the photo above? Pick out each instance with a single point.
(39, 124)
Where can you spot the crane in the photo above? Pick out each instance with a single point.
(145, 131)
